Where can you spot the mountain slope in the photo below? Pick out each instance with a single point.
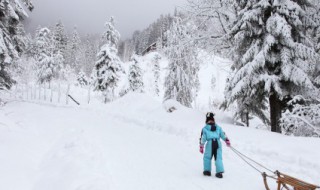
(133, 143)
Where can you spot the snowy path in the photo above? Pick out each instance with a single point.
(56, 148)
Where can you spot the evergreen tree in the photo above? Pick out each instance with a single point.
(12, 38)
(108, 65)
(155, 32)
(136, 42)
(159, 44)
(213, 83)
(315, 13)
(74, 51)
(156, 73)
(44, 56)
(182, 80)
(135, 76)
(213, 19)
(128, 50)
(60, 38)
(111, 36)
(302, 118)
(272, 58)
(89, 55)
(67, 73)
(82, 79)
(144, 40)
(46, 70)
(59, 63)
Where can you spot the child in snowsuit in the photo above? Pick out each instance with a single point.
(210, 137)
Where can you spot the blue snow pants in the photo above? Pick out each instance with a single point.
(213, 148)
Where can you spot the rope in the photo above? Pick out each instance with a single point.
(242, 156)
(246, 158)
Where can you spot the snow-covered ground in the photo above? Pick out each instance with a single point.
(133, 143)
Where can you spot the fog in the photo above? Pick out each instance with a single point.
(90, 15)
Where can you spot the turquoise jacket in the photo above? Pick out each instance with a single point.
(213, 148)
(208, 135)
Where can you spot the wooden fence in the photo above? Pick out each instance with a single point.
(54, 93)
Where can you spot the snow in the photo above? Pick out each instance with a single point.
(211, 66)
(134, 143)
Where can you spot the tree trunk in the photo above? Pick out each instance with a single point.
(245, 118)
(105, 99)
(275, 112)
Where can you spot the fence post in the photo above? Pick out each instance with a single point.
(16, 92)
(45, 91)
(39, 92)
(67, 98)
(22, 94)
(31, 93)
(89, 89)
(27, 89)
(35, 92)
(51, 95)
(59, 92)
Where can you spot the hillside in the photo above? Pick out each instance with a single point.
(133, 143)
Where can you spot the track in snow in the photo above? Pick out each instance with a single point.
(87, 149)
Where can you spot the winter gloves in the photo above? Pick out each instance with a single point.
(201, 148)
(228, 142)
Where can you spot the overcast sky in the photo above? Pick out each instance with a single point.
(90, 15)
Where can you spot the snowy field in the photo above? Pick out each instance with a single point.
(133, 143)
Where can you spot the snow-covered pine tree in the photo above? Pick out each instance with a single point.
(144, 40)
(90, 55)
(135, 76)
(247, 104)
(46, 70)
(82, 79)
(302, 118)
(155, 32)
(59, 50)
(182, 80)
(156, 73)
(46, 66)
(108, 66)
(60, 39)
(111, 36)
(213, 82)
(136, 41)
(67, 73)
(74, 51)
(159, 44)
(271, 56)
(213, 19)
(128, 50)
(12, 39)
(59, 64)
(315, 14)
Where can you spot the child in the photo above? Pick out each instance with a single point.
(210, 137)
